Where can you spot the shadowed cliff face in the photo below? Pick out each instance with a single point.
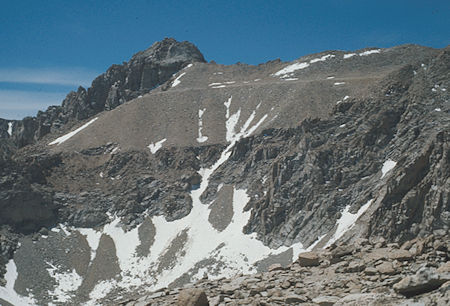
(281, 157)
(120, 83)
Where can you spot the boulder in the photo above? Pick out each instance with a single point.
(425, 280)
(400, 255)
(308, 259)
(326, 300)
(275, 267)
(386, 268)
(295, 299)
(192, 297)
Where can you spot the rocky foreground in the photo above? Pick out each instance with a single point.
(366, 273)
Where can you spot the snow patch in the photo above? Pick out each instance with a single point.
(230, 125)
(200, 137)
(177, 80)
(322, 59)
(291, 79)
(154, 147)
(8, 293)
(290, 69)
(64, 138)
(338, 83)
(330, 77)
(370, 52)
(10, 128)
(387, 166)
(437, 109)
(100, 291)
(221, 85)
(66, 282)
(227, 105)
(346, 222)
(92, 238)
(349, 55)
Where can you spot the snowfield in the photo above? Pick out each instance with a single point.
(66, 137)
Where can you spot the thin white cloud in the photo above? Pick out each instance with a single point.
(64, 76)
(16, 104)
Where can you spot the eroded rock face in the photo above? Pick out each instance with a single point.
(26, 203)
(120, 83)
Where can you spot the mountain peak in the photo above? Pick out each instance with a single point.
(168, 51)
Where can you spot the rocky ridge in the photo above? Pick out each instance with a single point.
(120, 83)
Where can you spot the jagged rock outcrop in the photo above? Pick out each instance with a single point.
(26, 203)
(120, 83)
(319, 168)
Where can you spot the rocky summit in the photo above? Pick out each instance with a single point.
(171, 180)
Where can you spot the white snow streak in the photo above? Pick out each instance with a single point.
(200, 137)
(154, 147)
(321, 59)
(227, 105)
(221, 85)
(370, 52)
(230, 125)
(291, 68)
(177, 80)
(346, 222)
(387, 166)
(64, 138)
(92, 237)
(8, 293)
(339, 83)
(10, 128)
(349, 55)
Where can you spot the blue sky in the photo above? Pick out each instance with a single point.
(50, 47)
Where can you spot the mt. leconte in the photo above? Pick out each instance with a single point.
(169, 169)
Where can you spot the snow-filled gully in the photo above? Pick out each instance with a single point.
(233, 251)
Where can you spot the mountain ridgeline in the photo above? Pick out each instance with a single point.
(120, 83)
(169, 169)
